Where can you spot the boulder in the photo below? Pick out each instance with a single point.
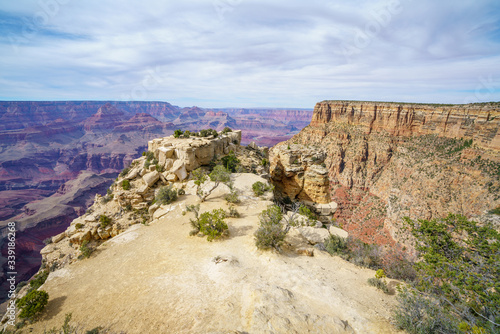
(151, 178)
(164, 153)
(253, 146)
(314, 235)
(179, 169)
(133, 173)
(79, 238)
(171, 177)
(58, 237)
(338, 232)
(103, 233)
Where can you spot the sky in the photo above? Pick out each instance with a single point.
(250, 53)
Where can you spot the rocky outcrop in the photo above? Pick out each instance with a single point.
(299, 172)
(386, 161)
(193, 152)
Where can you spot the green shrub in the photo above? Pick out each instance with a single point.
(85, 249)
(47, 241)
(305, 211)
(181, 192)
(230, 162)
(104, 221)
(150, 155)
(264, 162)
(271, 232)
(79, 226)
(20, 285)
(32, 304)
(336, 245)
(259, 188)
(126, 185)
(159, 168)
(177, 133)
(495, 211)
(233, 213)
(107, 198)
(421, 314)
(379, 284)
(125, 171)
(166, 195)
(211, 224)
(232, 197)
(38, 280)
(226, 130)
(218, 175)
(459, 268)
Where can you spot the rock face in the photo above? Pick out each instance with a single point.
(480, 122)
(192, 152)
(387, 160)
(298, 172)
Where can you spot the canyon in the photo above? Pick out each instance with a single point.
(54, 156)
(386, 161)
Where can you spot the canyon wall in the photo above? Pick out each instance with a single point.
(389, 160)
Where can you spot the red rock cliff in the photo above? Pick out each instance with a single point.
(480, 122)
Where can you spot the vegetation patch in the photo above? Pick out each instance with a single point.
(271, 232)
(105, 221)
(211, 224)
(166, 195)
(260, 188)
(126, 185)
(32, 304)
(457, 287)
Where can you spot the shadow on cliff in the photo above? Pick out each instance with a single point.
(54, 307)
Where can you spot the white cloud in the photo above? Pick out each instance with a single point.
(250, 53)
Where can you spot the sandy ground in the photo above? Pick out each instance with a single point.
(158, 279)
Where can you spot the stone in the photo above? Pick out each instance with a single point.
(253, 146)
(48, 249)
(314, 235)
(151, 178)
(90, 218)
(326, 209)
(172, 177)
(153, 208)
(338, 232)
(163, 154)
(79, 238)
(133, 173)
(103, 233)
(179, 169)
(58, 237)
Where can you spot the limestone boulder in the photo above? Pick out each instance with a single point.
(338, 232)
(151, 178)
(314, 235)
(179, 169)
(58, 237)
(80, 237)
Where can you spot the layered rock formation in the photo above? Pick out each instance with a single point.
(389, 160)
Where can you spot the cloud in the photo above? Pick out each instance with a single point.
(250, 53)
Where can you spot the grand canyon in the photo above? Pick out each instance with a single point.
(361, 166)
(55, 156)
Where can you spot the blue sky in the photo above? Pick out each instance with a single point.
(250, 53)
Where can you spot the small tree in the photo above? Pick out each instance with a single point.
(126, 184)
(177, 133)
(259, 188)
(218, 175)
(230, 161)
(210, 224)
(32, 304)
(166, 195)
(271, 231)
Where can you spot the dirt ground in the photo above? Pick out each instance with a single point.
(158, 279)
